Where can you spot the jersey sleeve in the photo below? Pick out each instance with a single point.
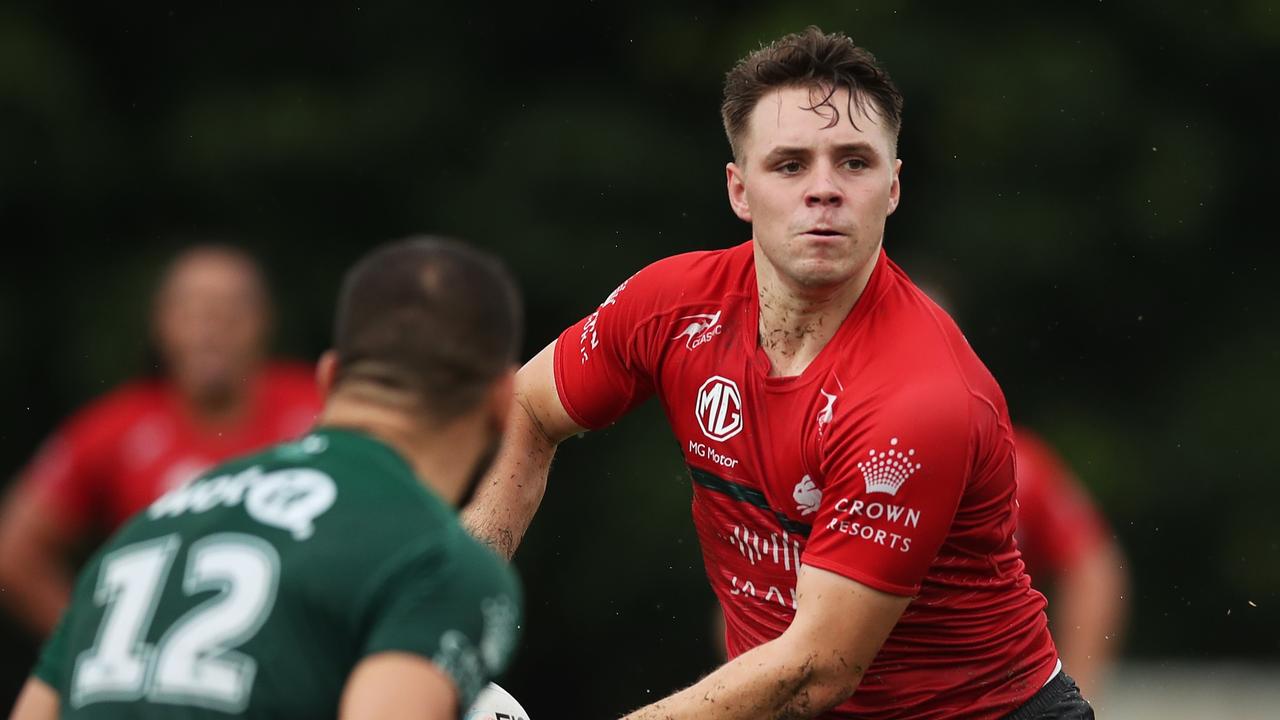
(458, 607)
(1058, 523)
(66, 474)
(893, 484)
(604, 363)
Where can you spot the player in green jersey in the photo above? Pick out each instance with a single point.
(327, 576)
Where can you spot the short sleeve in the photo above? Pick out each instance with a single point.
(604, 362)
(459, 607)
(893, 483)
(51, 665)
(1058, 523)
(65, 474)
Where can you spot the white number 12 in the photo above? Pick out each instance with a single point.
(194, 663)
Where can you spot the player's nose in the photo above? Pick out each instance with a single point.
(823, 191)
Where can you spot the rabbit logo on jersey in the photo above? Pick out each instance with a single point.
(719, 408)
(807, 496)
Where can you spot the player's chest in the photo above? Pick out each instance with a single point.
(737, 428)
(160, 452)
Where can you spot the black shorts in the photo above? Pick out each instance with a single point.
(1059, 699)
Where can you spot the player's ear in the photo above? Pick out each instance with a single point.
(502, 398)
(737, 185)
(326, 372)
(895, 190)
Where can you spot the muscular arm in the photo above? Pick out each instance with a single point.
(37, 701)
(1089, 613)
(509, 496)
(815, 665)
(33, 567)
(396, 685)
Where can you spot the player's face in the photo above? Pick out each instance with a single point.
(501, 400)
(211, 325)
(816, 194)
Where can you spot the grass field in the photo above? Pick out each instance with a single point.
(1181, 690)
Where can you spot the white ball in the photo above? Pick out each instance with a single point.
(494, 703)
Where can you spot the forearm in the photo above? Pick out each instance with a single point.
(510, 494)
(775, 680)
(34, 578)
(36, 589)
(1090, 616)
(37, 701)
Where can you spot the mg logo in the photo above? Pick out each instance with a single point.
(719, 408)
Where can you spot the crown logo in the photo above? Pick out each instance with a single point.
(887, 470)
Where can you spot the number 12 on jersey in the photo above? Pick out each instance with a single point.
(194, 662)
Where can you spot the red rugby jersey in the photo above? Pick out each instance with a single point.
(1058, 523)
(888, 461)
(124, 450)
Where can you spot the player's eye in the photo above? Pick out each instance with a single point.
(855, 164)
(790, 167)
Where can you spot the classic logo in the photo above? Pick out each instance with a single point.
(701, 329)
(887, 470)
(719, 408)
(807, 496)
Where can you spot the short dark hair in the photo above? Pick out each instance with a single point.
(812, 58)
(429, 318)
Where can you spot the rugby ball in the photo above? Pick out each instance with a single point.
(494, 703)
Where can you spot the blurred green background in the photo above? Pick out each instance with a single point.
(1092, 186)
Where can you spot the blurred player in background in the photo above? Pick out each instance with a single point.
(329, 575)
(1071, 553)
(218, 396)
(852, 459)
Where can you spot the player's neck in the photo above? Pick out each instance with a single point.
(217, 412)
(797, 322)
(441, 457)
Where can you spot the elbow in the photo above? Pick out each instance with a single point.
(821, 682)
(9, 573)
(1099, 576)
(25, 551)
(12, 554)
(835, 681)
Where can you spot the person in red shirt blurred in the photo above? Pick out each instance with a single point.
(1070, 550)
(218, 397)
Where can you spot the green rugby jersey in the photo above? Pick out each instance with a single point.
(257, 588)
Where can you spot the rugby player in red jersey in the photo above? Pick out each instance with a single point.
(218, 397)
(852, 459)
(1070, 552)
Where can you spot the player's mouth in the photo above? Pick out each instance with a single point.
(823, 232)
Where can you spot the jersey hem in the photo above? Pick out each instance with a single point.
(861, 576)
(565, 402)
